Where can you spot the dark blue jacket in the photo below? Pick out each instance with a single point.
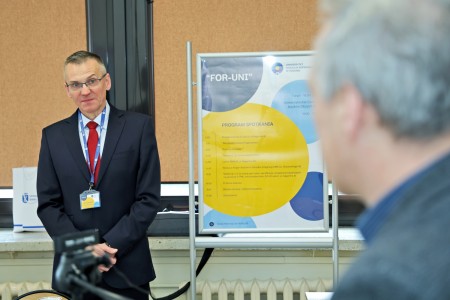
(128, 181)
(409, 258)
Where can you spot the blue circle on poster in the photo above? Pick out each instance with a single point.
(218, 220)
(308, 203)
(295, 101)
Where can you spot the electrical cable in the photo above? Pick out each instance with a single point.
(205, 257)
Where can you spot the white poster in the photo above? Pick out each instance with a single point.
(260, 167)
(25, 201)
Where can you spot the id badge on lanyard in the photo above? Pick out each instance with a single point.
(91, 198)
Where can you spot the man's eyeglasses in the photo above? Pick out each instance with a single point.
(90, 83)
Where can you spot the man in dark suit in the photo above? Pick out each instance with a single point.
(381, 88)
(104, 177)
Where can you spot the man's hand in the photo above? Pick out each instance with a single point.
(102, 249)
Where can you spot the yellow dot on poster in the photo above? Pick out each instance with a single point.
(254, 160)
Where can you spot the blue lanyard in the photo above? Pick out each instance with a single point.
(86, 151)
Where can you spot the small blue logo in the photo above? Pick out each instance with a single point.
(277, 68)
(25, 198)
(29, 199)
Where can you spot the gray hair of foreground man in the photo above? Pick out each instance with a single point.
(397, 54)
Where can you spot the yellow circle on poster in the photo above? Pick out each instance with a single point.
(255, 160)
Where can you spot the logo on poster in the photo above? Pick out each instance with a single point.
(26, 198)
(277, 68)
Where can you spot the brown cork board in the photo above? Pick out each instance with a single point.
(36, 36)
(214, 26)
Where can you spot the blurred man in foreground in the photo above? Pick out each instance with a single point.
(381, 86)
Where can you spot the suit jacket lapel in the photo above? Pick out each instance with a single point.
(113, 132)
(72, 138)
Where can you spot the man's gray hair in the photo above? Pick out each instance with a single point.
(81, 56)
(396, 53)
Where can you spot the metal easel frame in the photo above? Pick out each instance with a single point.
(259, 242)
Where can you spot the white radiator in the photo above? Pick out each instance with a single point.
(286, 289)
(10, 290)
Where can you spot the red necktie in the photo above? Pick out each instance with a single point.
(92, 147)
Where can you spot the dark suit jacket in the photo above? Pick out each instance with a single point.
(410, 256)
(128, 181)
